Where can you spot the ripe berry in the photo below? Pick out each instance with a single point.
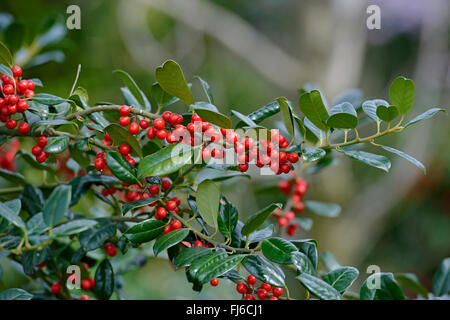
(167, 229)
(292, 229)
(165, 184)
(262, 294)
(293, 157)
(124, 110)
(161, 134)
(243, 167)
(23, 85)
(42, 141)
(86, 284)
(299, 207)
(8, 89)
(99, 164)
(124, 121)
(11, 124)
(242, 288)
(176, 224)
(29, 94)
(30, 85)
(249, 297)
(166, 115)
(171, 138)
(134, 128)
(22, 105)
(251, 279)
(206, 153)
(41, 265)
(17, 71)
(159, 123)
(161, 213)
(154, 189)
(124, 149)
(84, 297)
(41, 157)
(198, 243)
(277, 291)
(273, 298)
(111, 251)
(24, 128)
(171, 205)
(289, 215)
(214, 282)
(284, 186)
(151, 133)
(266, 286)
(92, 281)
(144, 124)
(56, 288)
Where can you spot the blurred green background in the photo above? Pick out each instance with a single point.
(251, 52)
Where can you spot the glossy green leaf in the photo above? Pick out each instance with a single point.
(370, 108)
(410, 281)
(312, 106)
(96, 236)
(210, 115)
(5, 55)
(330, 210)
(48, 99)
(134, 89)
(246, 120)
(260, 234)
(341, 278)
(227, 218)
(343, 116)
(57, 144)
(188, 255)
(374, 160)
(121, 168)
(208, 197)
(73, 227)
(264, 270)
(217, 267)
(223, 177)
(308, 247)
(401, 94)
(169, 239)
(415, 162)
(15, 294)
(165, 161)
(32, 199)
(207, 89)
(12, 176)
(288, 118)
(104, 280)
(304, 222)
(381, 286)
(57, 204)
(12, 214)
(387, 113)
(258, 218)
(171, 79)
(329, 261)
(426, 115)
(137, 204)
(36, 225)
(82, 184)
(265, 112)
(312, 154)
(318, 287)
(203, 262)
(145, 231)
(163, 99)
(6, 70)
(441, 279)
(278, 250)
(302, 262)
(120, 136)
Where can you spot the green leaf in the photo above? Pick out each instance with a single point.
(121, 136)
(401, 94)
(374, 160)
(343, 116)
(36, 225)
(57, 204)
(188, 255)
(353, 96)
(246, 120)
(304, 222)
(134, 89)
(217, 267)
(264, 270)
(169, 239)
(163, 99)
(278, 250)
(312, 154)
(15, 293)
(57, 144)
(426, 115)
(260, 234)
(302, 262)
(82, 184)
(73, 227)
(329, 261)
(14, 177)
(121, 168)
(330, 210)
(171, 79)
(308, 247)
(165, 161)
(48, 99)
(441, 279)
(207, 89)
(258, 218)
(415, 162)
(145, 231)
(381, 286)
(370, 108)
(6, 56)
(265, 112)
(318, 287)
(228, 218)
(6, 70)
(104, 280)
(288, 119)
(95, 236)
(312, 106)
(53, 122)
(137, 204)
(212, 116)
(387, 113)
(208, 197)
(410, 281)
(341, 278)
(205, 261)
(32, 199)
(223, 177)
(11, 213)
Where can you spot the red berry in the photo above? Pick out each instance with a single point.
(42, 141)
(159, 123)
(41, 157)
(292, 229)
(86, 284)
(92, 280)
(167, 229)
(161, 134)
(292, 157)
(171, 205)
(284, 186)
(214, 282)
(24, 128)
(165, 184)
(22, 105)
(171, 138)
(241, 288)
(30, 85)
(84, 297)
(8, 89)
(262, 294)
(134, 128)
(166, 115)
(29, 94)
(41, 265)
(176, 224)
(151, 133)
(266, 286)
(124, 121)
(198, 243)
(144, 124)
(17, 71)
(99, 164)
(23, 85)
(124, 149)
(12, 109)
(154, 189)
(299, 207)
(251, 279)
(249, 297)
(277, 291)
(11, 124)
(124, 110)
(206, 154)
(111, 251)
(273, 298)
(243, 167)
(289, 215)
(56, 288)
(161, 213)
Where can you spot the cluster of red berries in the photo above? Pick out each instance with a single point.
(168, 128)
(110, 249)
(38, 150)
(8, 154)
(264, 291)
(15, 93)
(86, 284)
(134, 127)
(296, 189)
(172, 205)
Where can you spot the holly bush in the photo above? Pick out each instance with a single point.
(159, 173)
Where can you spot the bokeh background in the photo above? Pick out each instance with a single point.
(251, 52)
